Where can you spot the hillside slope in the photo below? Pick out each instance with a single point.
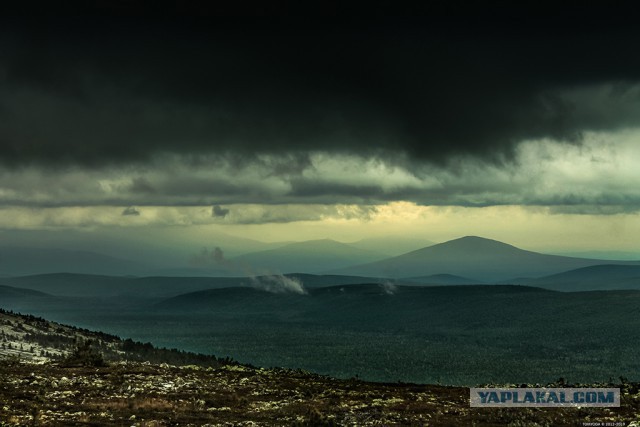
(30, 338)
(134, 393)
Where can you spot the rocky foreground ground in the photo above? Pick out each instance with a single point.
(53, 374)
(142, 394)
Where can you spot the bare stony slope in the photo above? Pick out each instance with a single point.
(32, 339)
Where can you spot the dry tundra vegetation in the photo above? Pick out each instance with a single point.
(53, 374)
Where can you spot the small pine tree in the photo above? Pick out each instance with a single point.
(84, 355)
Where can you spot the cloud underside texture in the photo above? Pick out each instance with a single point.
(135, 112)
(93, 93)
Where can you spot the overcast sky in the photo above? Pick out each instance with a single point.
(517, 124)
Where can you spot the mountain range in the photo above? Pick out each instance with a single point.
(219, 255)
(474, 257)
(467, 260)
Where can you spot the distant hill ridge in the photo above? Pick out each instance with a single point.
(471, 256)
(597, 277)
(312, 256)
(87, 285)
(16, 261)
(443, 279)
(333, 297)
(13, 292)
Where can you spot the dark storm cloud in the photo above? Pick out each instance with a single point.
(141, 185)
(282, 214)
(98, 91)
(343, 192)
(314, 188)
